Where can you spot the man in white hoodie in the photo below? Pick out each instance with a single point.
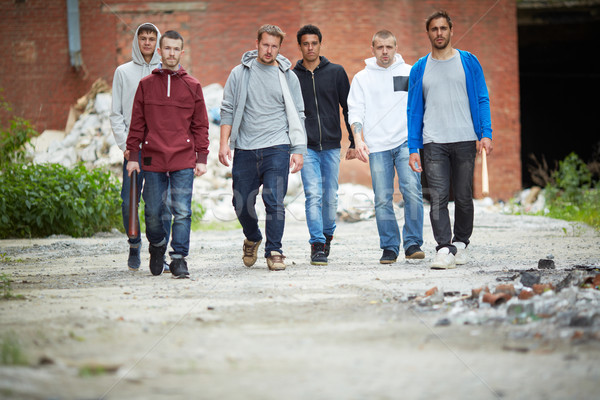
(125, 83)
(377, 114)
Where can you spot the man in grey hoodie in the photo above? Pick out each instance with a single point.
(125, 83)
(262, 118)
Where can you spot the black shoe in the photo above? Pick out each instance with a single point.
(157, 255)
(317, 255)
(179, 268)
(414, 252)
(328, 240)
(388, 257)
(134, 261)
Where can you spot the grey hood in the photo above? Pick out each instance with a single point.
(249, 57)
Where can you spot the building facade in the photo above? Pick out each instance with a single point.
(41, 80)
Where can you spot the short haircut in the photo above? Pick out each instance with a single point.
(309, 30)
(272, 30)
(383, 34)
(436, 15)
(171, 35)
(147, 28)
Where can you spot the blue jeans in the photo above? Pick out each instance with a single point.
(320, 180)
(125, 189)
(268, 167)
(445, 163)
(175, 188)
(383, 165)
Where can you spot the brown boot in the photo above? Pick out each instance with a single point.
(275, 261)
(250, 252)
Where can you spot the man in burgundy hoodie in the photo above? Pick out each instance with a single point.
(169, 119)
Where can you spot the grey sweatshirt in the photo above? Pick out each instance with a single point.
(125, 83)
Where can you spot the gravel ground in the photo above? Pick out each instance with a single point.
(356, 329)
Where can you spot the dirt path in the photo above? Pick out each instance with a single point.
(351, 330)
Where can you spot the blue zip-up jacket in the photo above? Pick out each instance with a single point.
(479, 100)
(324, 91)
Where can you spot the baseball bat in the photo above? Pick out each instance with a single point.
(133, 231)
(485, 183)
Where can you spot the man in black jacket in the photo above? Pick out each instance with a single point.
(325, 88)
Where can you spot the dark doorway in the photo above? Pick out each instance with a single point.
(560, 83)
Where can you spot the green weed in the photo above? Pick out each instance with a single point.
(14, 135)
(46, 199)
(571, 196)
(6, 288)
(11, 352)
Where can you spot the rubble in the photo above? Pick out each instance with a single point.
(531, 200)
(545, 263)
(568, 310)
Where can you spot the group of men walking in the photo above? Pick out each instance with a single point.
(278, 118)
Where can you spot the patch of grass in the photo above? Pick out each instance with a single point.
(76, 337)
(91, 370)
(6, 259)
(6, 288)
(576, 229)
(571, 195)
(11, 351)
(586, 209)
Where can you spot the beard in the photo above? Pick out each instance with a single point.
(441, 46)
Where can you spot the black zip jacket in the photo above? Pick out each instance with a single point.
(324, 91)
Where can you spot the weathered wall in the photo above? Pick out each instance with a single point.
(38, 80)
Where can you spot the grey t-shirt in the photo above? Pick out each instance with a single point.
(447, 117)
(264, 122)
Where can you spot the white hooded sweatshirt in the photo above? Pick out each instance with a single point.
(377, 100)
(125, 83)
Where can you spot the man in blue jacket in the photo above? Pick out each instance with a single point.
(448, 113)
(325, 88)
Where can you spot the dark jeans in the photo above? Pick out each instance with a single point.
(268, 167)
(125, 203)
(174, 188)
(445, 163)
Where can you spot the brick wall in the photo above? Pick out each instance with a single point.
(40, 83)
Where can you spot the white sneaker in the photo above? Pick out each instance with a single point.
(443, 259)
(462, 254)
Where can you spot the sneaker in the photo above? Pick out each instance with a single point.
(327, 247)
(250, 252)
(157, 256)
(388, 257)
(275, 261)
(443, 259)
(414, 252)
(179, 268)
(462, 254)
(317, 254)
(134, 261)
